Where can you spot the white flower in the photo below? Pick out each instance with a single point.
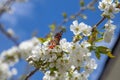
(63, 64)
(91, 64)
(85, 44)
(77, 55)
(48, 76)
(80, 28)
(105, 4)
(76, 76)
(65, 45)
(87, 30)
(102, 6)
(76, 28)
(37, 52)
(109, 31)
(110, 10)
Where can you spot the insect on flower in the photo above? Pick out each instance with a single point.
(56, 39)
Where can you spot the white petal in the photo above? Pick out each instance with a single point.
(75, 23)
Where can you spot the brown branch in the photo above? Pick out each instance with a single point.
(31, 73)
(78, 13)
(100, 21)
(91, 4)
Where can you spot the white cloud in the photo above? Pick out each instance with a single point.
(22, 9)
(19, 10)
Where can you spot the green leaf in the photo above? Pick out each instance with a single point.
(104, 50)
(97, 55)
(110, 55)
(91, 48)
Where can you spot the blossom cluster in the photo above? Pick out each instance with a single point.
(10, 57)
(109, 7)
(64, 61)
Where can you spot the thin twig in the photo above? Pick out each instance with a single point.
(31, 73)
(8, 35)
(100, 21)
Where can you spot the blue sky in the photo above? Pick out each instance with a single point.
(37, 15)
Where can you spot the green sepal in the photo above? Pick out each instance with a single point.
(64, 14)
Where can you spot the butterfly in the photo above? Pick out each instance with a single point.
(56, 39)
